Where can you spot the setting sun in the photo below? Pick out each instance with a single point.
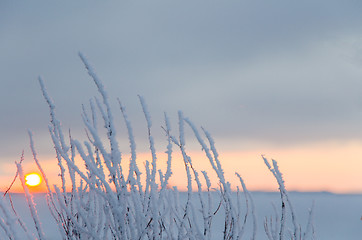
(32, 179)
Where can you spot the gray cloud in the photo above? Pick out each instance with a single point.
(278, 72)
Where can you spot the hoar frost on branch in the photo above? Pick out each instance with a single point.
(108, 204)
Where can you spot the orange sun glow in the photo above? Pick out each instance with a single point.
(32, 179)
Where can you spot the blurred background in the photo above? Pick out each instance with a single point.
(278, 78)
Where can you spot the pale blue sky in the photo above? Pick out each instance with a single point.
(277, 72)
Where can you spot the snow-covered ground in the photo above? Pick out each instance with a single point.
(336, 216)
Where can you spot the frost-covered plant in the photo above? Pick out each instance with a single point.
(107, 201)
(276, 229)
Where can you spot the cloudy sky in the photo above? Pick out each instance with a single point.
(258, 75)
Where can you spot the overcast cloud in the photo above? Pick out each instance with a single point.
(279, 72)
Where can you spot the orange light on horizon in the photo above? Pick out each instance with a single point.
(324, 166)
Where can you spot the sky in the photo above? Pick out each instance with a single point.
(280, 78)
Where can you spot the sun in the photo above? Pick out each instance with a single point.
(32, 179)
